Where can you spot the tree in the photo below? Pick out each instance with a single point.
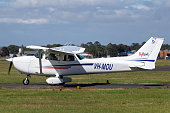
(13, 49)
(122, 48)
(98, 49)
(97, 44)
(165, 47)
(143, 43)
(85, 46)
(4, 52)
(135, 46)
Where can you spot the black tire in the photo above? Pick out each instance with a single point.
(26, 81)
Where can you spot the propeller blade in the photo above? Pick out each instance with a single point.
(10, 66)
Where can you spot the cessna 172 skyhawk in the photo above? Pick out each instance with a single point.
(59, 61)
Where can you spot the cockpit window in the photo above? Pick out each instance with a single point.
(59, 57)
(80, 57)
(37, 54)
(52, 56)
(68, 58)
(71, 58)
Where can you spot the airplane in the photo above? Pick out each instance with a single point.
(58, 62)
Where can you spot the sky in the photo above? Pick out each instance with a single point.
(42, 22)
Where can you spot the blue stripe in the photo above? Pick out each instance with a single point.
(144, 60)
(87, 64)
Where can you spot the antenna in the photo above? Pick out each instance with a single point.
(66, 44)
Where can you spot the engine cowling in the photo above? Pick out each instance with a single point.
(56, 80)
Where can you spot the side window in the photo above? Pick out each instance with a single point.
(65, 58)
(59, 57)
(52, 56)
(71, 58)
(68, 58)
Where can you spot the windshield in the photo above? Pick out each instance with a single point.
(37, 54)
(80, 57)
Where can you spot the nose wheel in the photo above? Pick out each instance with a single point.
(26, 80)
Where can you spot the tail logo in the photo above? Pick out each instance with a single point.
(153, 41)
(143, 54)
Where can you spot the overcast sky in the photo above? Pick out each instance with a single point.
(42, 22)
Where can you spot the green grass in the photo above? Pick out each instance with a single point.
(162, 62)
(85, 101)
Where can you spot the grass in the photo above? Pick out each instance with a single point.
(85, 101)
(162, 62)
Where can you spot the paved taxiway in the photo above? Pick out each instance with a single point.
(93, 85)
(86, 86)
(162, 68)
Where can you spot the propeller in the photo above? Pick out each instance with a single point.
(10, 66)
(11, 63)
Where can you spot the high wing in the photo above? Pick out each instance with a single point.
(69, 49)
(63, 49)
(37, 47)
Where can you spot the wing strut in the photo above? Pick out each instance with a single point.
(40, 62)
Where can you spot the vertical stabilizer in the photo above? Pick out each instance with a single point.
(148, 53)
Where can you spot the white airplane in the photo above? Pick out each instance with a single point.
(59, 61)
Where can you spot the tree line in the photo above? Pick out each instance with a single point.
(96, 49)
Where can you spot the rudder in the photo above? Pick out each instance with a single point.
(148, 53)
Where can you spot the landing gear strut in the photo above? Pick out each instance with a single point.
(26, 80)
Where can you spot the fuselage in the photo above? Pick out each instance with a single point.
(30, 65)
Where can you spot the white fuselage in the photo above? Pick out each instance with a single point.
(30, 65)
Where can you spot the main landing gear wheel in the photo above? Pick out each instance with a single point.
(26, 81)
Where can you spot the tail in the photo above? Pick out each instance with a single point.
(148, 53)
